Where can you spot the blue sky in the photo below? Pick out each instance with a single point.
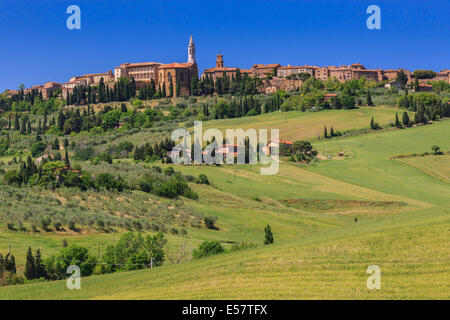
(38, 47)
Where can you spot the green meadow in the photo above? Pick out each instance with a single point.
(331, 220)
(297, 125)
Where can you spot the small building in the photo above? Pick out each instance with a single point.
(393, 84)
(425, 87)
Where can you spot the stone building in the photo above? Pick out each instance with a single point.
(141, 72)
(391, 74)
(284, 72)
(179, 74)
(265, 70)
(444, 75)
(219, 70)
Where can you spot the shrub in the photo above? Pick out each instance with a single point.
(268, 235)
(208, 248)
(202, 179)
(57, 225)
(210, 222)
(37, 148)
(125, 146)
(45, 223)
(72, 225)
(56, 266)
(436, 150)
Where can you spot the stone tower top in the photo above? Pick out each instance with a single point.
(191, 51)
(219, 61)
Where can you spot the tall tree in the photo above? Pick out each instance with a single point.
(16, 122)
(66, 159)
(369, 98)
(268, 235)
(397, 122)
(39, 266)
(30, 269)
(405, 119)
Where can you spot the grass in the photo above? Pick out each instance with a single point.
(297, 125)
(435, 166)
(320, 251)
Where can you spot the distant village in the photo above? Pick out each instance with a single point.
(178, 76)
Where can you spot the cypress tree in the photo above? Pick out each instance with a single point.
(325, 132)
(66, 159)
(369, 98)
(10, 263)
(23, 124)
(39, 266)
(9, 122)
(268, 235)
(406, 119)
(16, 122)
(61, 120)
(331, 132)
(55, 145)
(397, 122)
(30, 270)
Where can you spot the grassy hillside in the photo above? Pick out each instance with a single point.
(331, 220)
(297, 125)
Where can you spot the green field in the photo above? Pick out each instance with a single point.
(331, 220)
(297, 125)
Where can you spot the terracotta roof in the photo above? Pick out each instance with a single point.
(176, 65)
(281, 141)
(95, 74)
(139, 64)
(218, 69)
(271, 65)
(298, 67)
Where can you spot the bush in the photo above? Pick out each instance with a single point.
(37, 148)
(125, 146)
(72, 225)
(210, 222)
(208, 248)
(56, 266)
(202, 179)
(45, 223)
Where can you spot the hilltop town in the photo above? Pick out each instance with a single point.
(178, 77)
(87, 177)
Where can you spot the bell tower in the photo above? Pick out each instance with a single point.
(219, 61)
(191, 51)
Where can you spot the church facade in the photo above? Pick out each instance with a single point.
(173, 76)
